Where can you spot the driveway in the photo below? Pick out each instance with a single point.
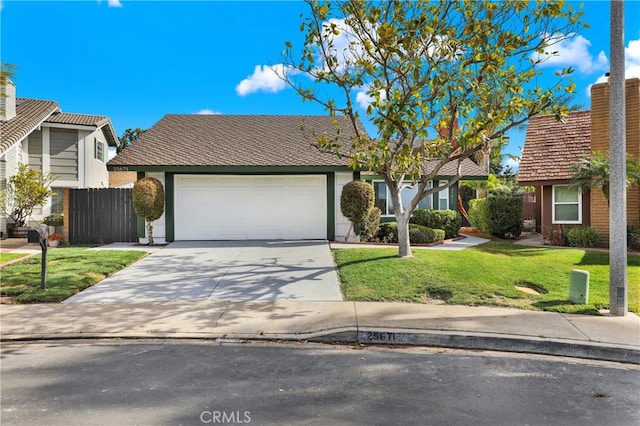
(223, 270)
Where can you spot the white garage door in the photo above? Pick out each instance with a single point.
(225, 207)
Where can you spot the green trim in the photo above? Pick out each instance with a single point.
(140, 224)
(356, 175)
(169, 208)
(236, 170)
(331, 206)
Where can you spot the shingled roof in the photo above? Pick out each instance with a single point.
(233, 140)
(30, 113)
(244, 140)
(551, 147)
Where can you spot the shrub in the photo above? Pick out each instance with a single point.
(54, 220)
(478, 215)
(505, 215)
(554, 235)
(371, 224)
(582, 236)
(633, 237)
(418, 234)
(148, 201)
(448, 220)
(356, 200)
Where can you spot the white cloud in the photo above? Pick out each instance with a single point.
(631, 65)
(364, 99)
(207, 111)
(265, 78)
(512, 163)
(574, 52)
(632, 59)
(114, 3)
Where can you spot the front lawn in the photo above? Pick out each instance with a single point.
(484, 275)
(6, 257)
(69, 270)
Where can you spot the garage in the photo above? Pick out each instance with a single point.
(254, 207)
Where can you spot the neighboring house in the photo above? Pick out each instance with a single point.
(550, 149)
(73, 147)
(235, 177)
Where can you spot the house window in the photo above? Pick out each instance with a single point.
(567, 205)
(56, 201)
(99, 151)
(385, 204)
(443, 196)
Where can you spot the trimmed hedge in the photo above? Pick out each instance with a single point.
(582, 236)
(148, 198)
(418, 234)
(498, 215)
(479, 215)
(448, 220)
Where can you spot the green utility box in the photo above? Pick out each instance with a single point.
(579, 287)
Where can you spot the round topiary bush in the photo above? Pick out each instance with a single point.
(356, 200)
(148, 201)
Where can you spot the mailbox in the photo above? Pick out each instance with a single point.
(39, 234)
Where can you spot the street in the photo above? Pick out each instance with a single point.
(120, 382)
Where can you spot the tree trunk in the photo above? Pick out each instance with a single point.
(402, 219)
(404, 245)
(149, 233)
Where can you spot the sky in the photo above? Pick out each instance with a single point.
(135, 61)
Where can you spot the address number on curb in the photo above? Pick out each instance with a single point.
(382, 337)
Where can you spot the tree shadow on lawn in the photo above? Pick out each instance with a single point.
(371, 259)
(510, 249)
(565, 306)
(602, 258)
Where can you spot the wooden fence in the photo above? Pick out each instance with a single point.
(100, 216)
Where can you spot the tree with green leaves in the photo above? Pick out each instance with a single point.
(593, 171)
(128, 137)
(148, 201)
(27, 190)
(422, 67)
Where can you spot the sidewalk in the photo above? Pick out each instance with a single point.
(483, 328)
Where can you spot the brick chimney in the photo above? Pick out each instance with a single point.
(7, 101)
(600, 142)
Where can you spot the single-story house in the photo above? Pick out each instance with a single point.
(551, 147)
(73, 147)
(232, 177)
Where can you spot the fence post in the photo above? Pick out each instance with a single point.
(65, 214)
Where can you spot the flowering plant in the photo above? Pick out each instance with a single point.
(58, 237)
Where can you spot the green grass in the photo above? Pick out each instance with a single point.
(483, 275)
(69, 270)
(6, 257)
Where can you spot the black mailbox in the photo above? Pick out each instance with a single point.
(38, 234)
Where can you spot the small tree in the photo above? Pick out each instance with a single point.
(356, 201)
(148, 202)
(128, 137)
(27, 189)
(593, 171)
(419, 67)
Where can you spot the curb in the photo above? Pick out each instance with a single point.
(469, 341)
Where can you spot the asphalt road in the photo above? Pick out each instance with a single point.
(195, 383)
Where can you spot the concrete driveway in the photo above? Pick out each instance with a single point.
(224, 270)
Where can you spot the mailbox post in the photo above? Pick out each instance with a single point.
(40, 235)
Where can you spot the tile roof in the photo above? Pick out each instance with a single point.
(243, 140)
(30, 113)
(551, 147)
(469, 169)
(232, 140)
(97, 121)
